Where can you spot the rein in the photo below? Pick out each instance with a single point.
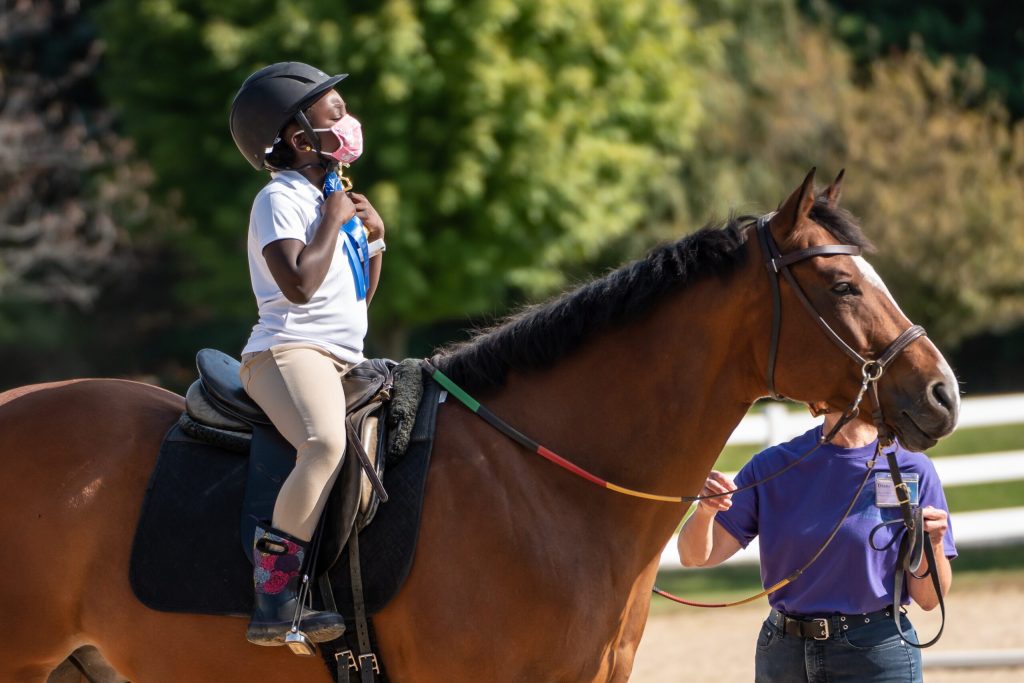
(871, 373)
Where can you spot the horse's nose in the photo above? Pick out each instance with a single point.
(943, 400)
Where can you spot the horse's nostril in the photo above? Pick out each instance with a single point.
(941, 396)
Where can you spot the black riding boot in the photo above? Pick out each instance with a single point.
(277, 563)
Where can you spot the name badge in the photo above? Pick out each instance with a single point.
(885, 491)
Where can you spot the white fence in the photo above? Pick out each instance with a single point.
(778, 424)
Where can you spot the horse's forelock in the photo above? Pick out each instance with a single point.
(842, 224)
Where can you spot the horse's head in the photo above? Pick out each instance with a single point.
(917, 392)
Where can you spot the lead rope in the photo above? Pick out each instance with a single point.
(511, 432)
(871, 371)
(796, 574)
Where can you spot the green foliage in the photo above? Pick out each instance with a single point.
(504, 139)
(971, 440)
(983, 30)
(934, 176)
(987, 496)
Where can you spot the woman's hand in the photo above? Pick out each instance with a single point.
(702, 543)
(368, 214)
(717, 483)
(936, 523)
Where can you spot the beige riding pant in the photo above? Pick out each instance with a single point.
(299, 387)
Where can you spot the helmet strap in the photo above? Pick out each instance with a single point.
(313, 137)
(300, 118)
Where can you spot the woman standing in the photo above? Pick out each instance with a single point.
(834, 622)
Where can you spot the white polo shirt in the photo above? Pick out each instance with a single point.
(288, 207)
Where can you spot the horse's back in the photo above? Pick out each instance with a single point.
(75, 457)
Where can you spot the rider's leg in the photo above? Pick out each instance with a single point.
(299, 387)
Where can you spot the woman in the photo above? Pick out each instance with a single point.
(834, 622)
(313, 282)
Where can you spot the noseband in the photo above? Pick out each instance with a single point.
(871, 370)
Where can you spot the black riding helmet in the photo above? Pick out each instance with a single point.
(269, 99)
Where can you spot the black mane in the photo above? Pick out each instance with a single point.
(539, 336)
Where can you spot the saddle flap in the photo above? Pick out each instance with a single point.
(363, 382)
(219, 374)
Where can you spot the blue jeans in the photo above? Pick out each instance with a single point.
(862, 653)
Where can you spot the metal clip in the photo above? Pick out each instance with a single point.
(872, 371)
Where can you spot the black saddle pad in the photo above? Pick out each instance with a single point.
(185, 554)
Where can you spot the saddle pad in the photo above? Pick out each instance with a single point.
(185, 554)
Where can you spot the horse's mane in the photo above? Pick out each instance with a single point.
(538, 336)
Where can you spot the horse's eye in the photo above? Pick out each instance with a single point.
(843, 288)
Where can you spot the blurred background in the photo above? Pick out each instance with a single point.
(513, 148)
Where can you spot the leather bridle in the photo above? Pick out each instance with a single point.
(871, 370)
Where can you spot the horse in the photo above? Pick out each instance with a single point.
(523, 571)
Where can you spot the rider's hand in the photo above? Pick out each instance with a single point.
(371, 219)
(717, 483)
(338, 209)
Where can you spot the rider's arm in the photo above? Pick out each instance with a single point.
(299, 269)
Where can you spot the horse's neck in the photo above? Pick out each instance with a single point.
(648, 406)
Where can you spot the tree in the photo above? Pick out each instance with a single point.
(983, 30)
(70, 189)
(505, 140)
(935, 169)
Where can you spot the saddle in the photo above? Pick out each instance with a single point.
(222, 464)
(220, 412)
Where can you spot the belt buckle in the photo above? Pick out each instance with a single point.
(823, 625)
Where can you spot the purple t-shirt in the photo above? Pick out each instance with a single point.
(794, 513)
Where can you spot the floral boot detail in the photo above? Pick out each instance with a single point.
(277, 574)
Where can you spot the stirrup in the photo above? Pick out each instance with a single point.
(299, 643)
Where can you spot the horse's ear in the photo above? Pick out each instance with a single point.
(834, 191)
(797, 206)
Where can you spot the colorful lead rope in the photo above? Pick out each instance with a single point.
(528, 443)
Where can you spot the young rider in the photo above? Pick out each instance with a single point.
(313, 282)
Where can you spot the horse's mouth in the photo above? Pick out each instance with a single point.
(911, 435)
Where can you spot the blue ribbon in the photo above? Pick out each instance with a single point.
(353, 236)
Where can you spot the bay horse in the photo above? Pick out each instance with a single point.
(523, 572)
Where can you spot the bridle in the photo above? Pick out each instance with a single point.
(871, 370)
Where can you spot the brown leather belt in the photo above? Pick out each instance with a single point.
(823, 628)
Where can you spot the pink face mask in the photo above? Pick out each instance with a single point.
(350, 139)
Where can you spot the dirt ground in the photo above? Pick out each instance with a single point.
(692, 644)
